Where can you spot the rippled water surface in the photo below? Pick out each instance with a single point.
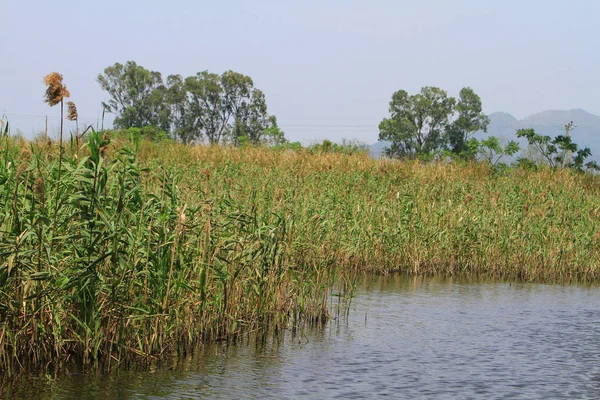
(404, 338)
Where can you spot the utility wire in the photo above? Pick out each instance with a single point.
(328, 126)
(323, 126)
(34, 116)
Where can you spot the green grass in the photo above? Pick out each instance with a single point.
(136, 252)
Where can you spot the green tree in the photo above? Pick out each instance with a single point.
(207, 106)
(226, 108)
(417, 123)
(553, 151)
(272, 133)
(137, 96)
(492, 151)
(209, 110)
(470, 120)
(182, 121)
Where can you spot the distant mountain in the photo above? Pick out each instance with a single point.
(502, 122)
(582, 118)
(376, 149)
(551, 123)
(504, 126)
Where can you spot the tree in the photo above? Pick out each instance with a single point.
(272, 134)
(206, 106)
(553, 151)
(225, 107)
(418, 123)
(137, 96)
(208, 113)
(180, 110)
(253, 123)
(247, 105)
(470, 120)
(492, 151)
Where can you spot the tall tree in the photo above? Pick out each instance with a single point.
(417, 123)
(470, 120)
(241, 99)
(225, 107)
(176, 98)
(253, 123)
(206, 106)
(208, 113)
(137, 96)
(272, 134)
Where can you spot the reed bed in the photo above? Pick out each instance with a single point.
(438, 219)
(143, 248)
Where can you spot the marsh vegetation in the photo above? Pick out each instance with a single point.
(125, 249)
(128, 245)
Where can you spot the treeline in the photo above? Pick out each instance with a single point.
(431, 124)
(228, 109)
(205, 107)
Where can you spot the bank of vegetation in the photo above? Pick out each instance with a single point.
(142, 247)
(124, 247)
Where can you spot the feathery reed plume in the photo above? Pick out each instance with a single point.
(38, 189)
(72, 115)
(56, 90)
(105, 142)
(72, 111)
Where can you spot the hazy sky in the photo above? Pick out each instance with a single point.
(328, 68)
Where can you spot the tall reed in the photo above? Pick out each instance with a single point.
(152, 247)
(134, 262)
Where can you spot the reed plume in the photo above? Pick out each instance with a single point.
(56, 92)
(72, 114)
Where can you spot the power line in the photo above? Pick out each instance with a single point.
(319, 126)
(328, 126)
(35, 116)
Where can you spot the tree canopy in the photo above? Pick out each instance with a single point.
(470, 120)
(554, 151)
(206, 107)
(421, 124)
(137, 96)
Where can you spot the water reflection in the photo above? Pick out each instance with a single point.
(404, 338)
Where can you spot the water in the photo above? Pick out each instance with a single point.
(404, 338)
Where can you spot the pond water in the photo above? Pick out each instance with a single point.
(403, 338)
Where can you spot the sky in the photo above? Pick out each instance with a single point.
(328, 68)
